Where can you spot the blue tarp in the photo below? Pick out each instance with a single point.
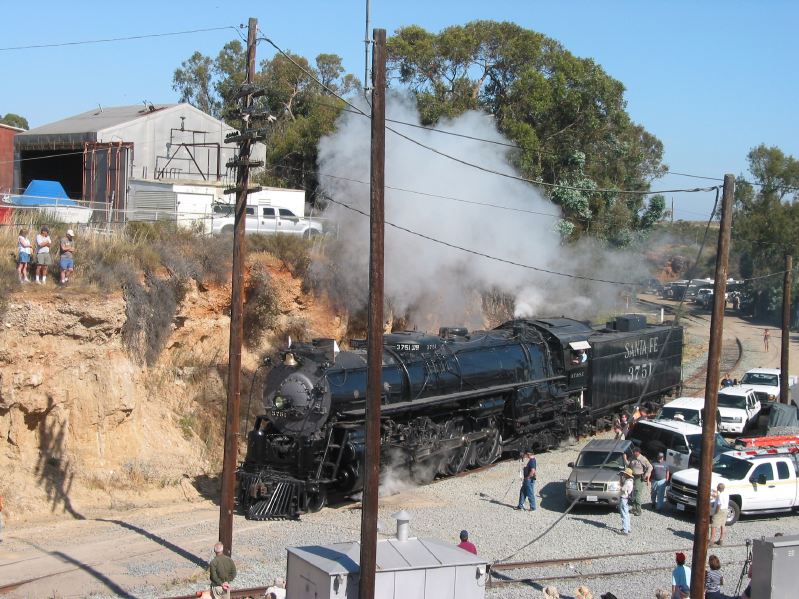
(43, 193)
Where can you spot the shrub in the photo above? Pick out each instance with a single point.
(149, 310)
(293, 251)
(261, 307)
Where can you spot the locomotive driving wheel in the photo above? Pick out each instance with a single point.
(489, 449)
(457, 460)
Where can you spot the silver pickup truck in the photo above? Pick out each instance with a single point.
(269, 220)
(595, 475)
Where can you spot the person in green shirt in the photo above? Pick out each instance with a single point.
(222, 571)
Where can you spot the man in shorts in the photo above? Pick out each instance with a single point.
(67, 249)
(43, 259)
(718, 518)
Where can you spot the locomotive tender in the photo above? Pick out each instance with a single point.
(449, 402)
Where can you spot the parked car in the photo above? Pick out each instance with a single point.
(765, 382)
(685, 409)
(758, 481)
(681, 442)
(270, 220)
(739, 407)
(595, 475)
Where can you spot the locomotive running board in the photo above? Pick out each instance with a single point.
(284, 503)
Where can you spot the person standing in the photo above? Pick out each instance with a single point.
(660, 479)
(23, 255)
(624, 499)
(528, 482)
(67, 262)
(680, 577)
(222, 571)
(466, 544)
(713, 579)
(766, 337)
(726, 381)
(718, 510)
(642, 470)
(43, 259)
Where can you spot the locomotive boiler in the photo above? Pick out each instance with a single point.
(449, 401)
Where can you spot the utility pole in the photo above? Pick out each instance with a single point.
(367, 42)
(374, 360)
(785, 396)
(245, 139)
(711, 393)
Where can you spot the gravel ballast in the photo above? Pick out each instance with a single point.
(482, 503)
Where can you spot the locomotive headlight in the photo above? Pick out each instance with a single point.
(280, 402)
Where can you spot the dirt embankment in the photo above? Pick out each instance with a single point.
(83, 425)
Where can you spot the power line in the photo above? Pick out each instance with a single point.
(488, 256)
(118, 39)
(470, 164)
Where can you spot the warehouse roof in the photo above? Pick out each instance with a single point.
(97, 119)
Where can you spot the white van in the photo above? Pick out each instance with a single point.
(681, 442)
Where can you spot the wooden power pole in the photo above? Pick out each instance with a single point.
(374, 360)
(785, 395)
(711, 393)
(227, 501)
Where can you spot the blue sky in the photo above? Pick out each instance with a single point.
(711, 79)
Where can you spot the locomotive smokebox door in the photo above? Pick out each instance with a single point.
(296, 405)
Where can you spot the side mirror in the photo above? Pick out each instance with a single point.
(570, 465)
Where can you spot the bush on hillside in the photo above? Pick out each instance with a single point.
(261, 307)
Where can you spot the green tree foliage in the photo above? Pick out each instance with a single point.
(14, 120)
(766, 219)
(304, 111)
(553, 105)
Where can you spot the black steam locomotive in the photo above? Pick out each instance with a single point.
(449, 402)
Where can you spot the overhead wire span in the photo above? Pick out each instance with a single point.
(470, 164)
(484, 255)
(118, 39)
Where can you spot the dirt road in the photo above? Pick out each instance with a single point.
(163, 551)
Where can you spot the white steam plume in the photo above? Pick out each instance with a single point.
(433, 283)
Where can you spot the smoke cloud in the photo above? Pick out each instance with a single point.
(434, 284)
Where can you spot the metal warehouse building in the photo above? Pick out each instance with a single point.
(103, 155)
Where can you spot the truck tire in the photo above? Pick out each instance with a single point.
(310, 233)
(733, 512)
(227, 230)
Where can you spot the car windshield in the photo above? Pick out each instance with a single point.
(690, 416)
(760, 378)
(732, 401)
(596, 459)
(695, 441)
(730, 467)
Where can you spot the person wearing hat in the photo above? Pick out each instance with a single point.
(465, 544)
(680, 577)
(660, 479)
(642, 470)
(67, 250)
(43, 259)
(624, 499)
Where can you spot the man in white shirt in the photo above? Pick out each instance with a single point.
(43, 259)
(718, 510)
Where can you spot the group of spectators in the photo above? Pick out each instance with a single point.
(39, 255)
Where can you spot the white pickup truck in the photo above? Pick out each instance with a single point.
(759, 481)
(269, 220)
(739, 407)
(765, 382)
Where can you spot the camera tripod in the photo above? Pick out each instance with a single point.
(745, 568)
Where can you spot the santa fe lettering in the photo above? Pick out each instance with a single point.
(641, 347)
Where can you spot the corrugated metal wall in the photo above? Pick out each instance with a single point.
(152, 205)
